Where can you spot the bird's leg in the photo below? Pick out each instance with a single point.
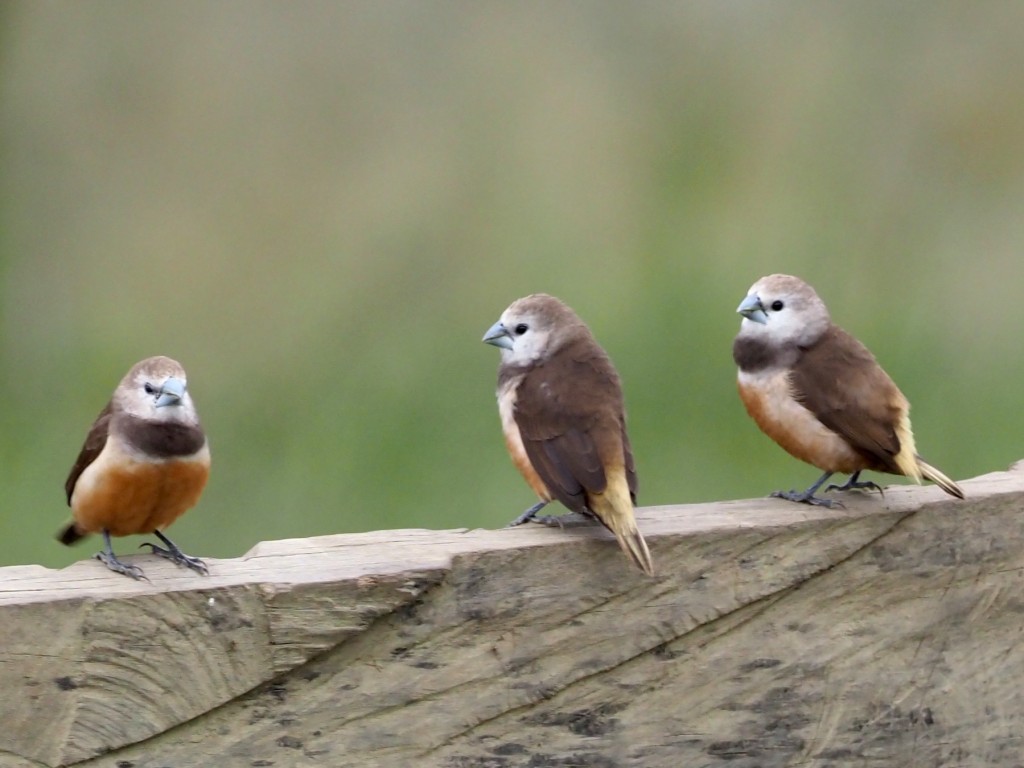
(854, 484)
(808, 497)
(528, 514)
(109, 559)
(175, 555)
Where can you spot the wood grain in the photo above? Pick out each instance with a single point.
(888, 633)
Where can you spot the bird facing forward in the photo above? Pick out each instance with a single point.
(561, 408)
(820, 394)
(143, 464)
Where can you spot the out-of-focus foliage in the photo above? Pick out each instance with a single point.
(319, 208)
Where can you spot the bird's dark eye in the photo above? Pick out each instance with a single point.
(521, 329)
(149, 388)
(777, 305)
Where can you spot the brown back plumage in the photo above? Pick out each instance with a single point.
(570, 415)
(842, 384)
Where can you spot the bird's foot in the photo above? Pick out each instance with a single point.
(561, 521)
(855, 485)
(176, 556)
(528, 515)
(118, 566)
(807, 497)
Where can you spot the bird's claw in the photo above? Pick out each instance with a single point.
(526, 517)
(117, 566)
(867, 485)
(178, 557)
(553, 521)
(806, 498)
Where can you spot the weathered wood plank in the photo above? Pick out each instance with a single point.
(774, 635)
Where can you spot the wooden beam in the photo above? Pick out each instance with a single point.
(775, 634)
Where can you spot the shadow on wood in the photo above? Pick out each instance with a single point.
(775, 634)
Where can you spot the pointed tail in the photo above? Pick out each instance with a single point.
(619, 519)
(69, 534)
(931, 473)
(633, 544)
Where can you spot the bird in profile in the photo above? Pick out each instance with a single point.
(561, 408)
(144, 463)
(820, 394)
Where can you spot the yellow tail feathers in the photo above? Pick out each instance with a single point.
(633, 544)
(931, 473)
(617, 516)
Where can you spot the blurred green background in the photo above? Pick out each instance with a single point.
(319, 208)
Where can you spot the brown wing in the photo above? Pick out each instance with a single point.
(841, 383)
(570, 416)
(94, 443)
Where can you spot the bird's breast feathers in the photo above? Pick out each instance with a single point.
(768, 398)
(125, 493)
(507, 393)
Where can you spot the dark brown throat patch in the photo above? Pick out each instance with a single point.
(752, 355)
(162, 440)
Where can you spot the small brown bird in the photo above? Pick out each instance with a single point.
(561, 409)
(820, 394)
(144, 463)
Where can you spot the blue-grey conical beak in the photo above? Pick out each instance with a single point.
(752, 309)
(499, 336)
(171, 392)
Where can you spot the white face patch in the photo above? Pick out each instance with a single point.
(795, 314)
(530, 338)
(138, 398)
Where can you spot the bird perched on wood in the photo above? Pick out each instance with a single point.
(561, 408)
(820, 394)
(144, 463)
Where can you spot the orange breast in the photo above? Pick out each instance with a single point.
(514, 441)
(514, 444)
(769, 401)
(128, 496)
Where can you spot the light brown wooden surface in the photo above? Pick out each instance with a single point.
(775, 634)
